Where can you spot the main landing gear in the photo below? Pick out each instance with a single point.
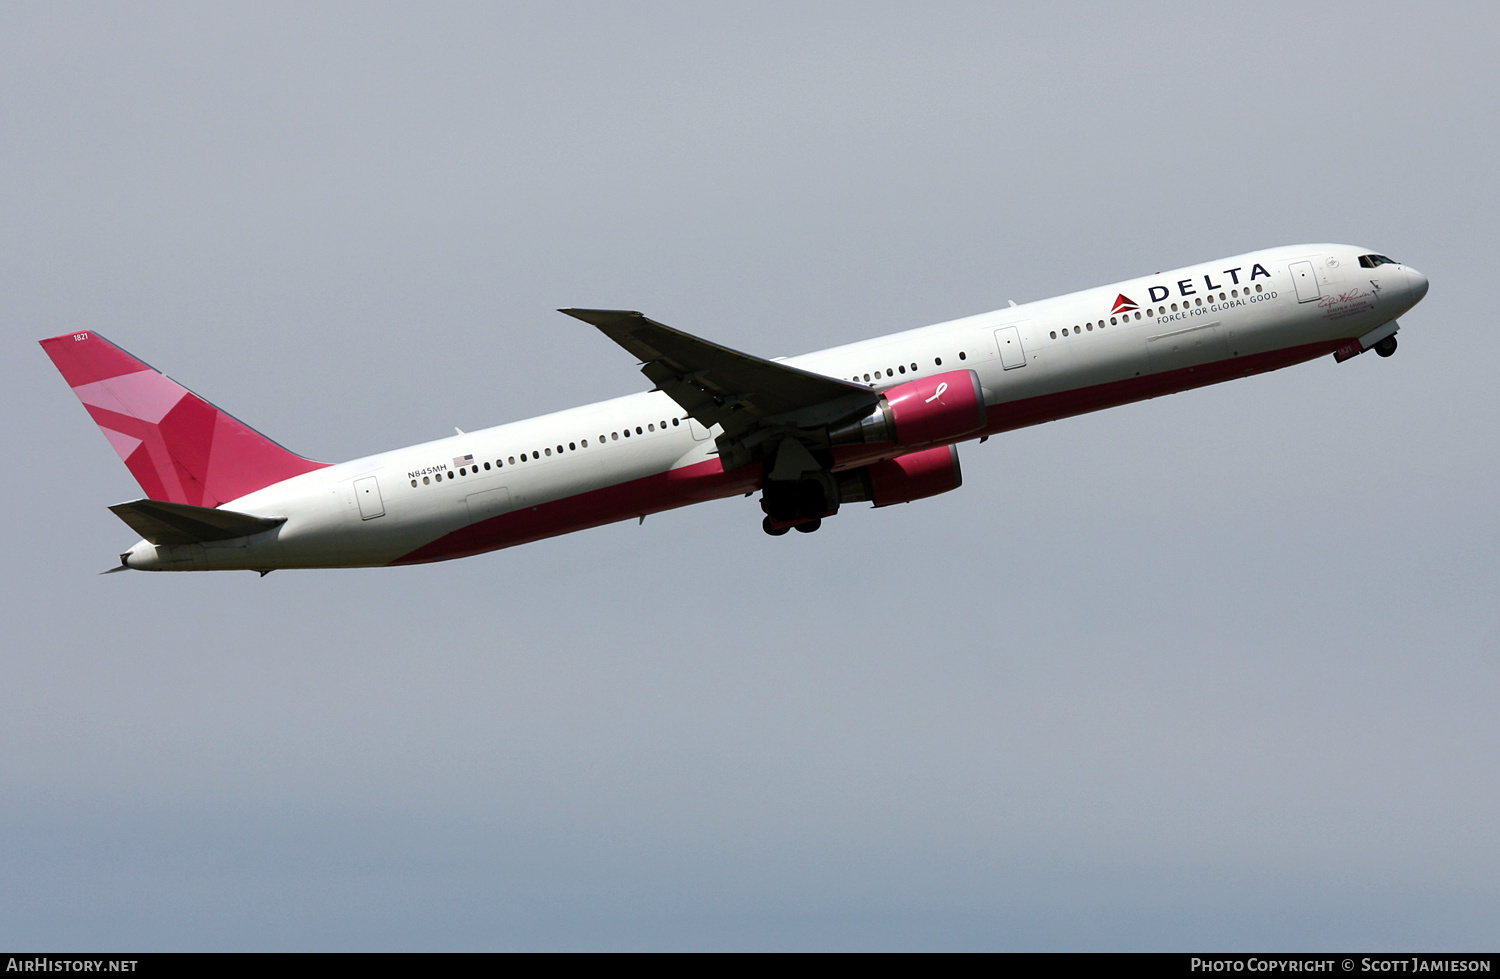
(1386, 347)
(776, 530)
(799, 503)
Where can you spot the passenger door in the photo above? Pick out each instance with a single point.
(367, 495)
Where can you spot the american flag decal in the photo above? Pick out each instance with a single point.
(462, 460)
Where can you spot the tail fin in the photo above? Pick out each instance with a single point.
(179, 447)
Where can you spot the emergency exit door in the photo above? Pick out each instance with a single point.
(1011, 354)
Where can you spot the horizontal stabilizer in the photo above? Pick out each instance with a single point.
(181, 523)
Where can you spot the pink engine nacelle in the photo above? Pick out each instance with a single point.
(913, 476)
(941, 408)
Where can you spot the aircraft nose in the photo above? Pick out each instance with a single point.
(1416, 284)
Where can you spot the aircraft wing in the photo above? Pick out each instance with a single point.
(749, 397)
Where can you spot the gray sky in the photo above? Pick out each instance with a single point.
(1213, 671)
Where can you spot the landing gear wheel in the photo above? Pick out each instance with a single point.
(1386, 347)
(810, 526)
(774, 531)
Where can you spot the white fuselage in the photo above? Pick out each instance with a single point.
(639, 454)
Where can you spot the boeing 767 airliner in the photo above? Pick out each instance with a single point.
(877, 421)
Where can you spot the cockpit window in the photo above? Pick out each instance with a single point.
(1370, 261)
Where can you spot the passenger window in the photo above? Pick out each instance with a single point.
(426, 480)
(938, 361)
(962, 355)
(513, 460)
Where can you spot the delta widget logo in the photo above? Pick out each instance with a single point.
(1123, 304)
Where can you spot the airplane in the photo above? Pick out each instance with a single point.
(877, 421)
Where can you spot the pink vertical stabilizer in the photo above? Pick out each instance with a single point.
(179, 447)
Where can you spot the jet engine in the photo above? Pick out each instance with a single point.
(940, 408)
(908, 477)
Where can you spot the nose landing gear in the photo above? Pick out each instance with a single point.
(1386, 347)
